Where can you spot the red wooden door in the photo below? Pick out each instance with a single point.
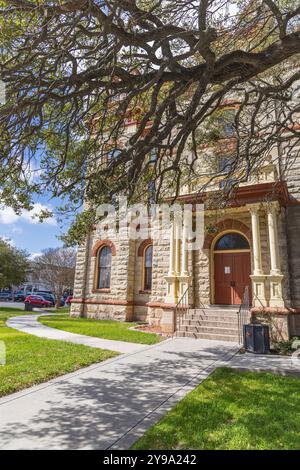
(241, 276)
(223, 278)
(232, 275)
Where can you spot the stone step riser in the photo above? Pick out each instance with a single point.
(210, 311)
(205, 329)
(211, 318)
(233, 338)
(218, 324)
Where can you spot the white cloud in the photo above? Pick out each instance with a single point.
(8, 216)
(34, 255)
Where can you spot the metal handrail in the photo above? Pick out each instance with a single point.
(181, 309)
(243, 314)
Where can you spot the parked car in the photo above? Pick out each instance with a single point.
(68, 299)
(19, 297)
(37, 301)
(47, 296)
(5, 296)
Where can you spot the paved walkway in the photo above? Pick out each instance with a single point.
(283, 365)
(111, 404)
(30, 324)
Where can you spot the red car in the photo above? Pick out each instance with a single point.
(37, 301)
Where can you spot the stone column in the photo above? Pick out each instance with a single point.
(177, 245)
(254, 211)
(258, 277)
(272, 210)
(172, 251)
(275, 277)
(171, 278)
(184, 278)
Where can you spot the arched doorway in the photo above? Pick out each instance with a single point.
(232, 268)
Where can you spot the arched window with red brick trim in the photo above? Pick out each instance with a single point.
(148, 254)
(104, 267)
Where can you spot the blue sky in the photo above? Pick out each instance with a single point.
(24, 231)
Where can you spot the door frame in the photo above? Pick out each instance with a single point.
(212, 257)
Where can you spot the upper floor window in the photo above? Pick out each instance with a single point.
(104, 267)
(226, 164)
(148, 267)
(112, 155)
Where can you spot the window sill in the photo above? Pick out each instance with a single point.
(145, 291)
(100, 290)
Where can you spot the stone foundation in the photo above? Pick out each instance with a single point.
(283, 323)
(102, 311)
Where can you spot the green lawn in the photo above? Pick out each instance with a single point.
(31, 360)
(57, 310)
(232, 410)
(108, 329)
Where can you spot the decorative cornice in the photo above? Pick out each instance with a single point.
(252, 193)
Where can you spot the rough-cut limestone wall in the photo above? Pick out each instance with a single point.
(279, 328)
(292, 177)
(294, 325)
(161, 251)
(120, 295)
(80, 277)
(160, 267)
(293, 237)
(201, 278)
(140, 298)
(284, 259)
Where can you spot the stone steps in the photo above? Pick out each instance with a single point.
(223, 318)
(212, 336)
(209, 329)
(210, 323)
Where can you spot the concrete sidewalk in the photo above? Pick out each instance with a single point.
(282, 365)
(111, 404)
(30, 324)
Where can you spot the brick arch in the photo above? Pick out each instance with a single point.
(143, 246)
(102, 243)
(227, 224)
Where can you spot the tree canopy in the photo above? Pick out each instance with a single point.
(14, 265)
(56, 268)
(79, 73)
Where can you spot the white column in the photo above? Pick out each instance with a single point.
(256, 240)
(171, 253)
(273, 238)
(184, 253)
(258, 277)
(275, 277)
(171, 278)
(177, 245)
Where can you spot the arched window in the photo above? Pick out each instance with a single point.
(148, 267)
(232, 241)
(104, 267)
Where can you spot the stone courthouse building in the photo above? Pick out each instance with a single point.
(252, 244)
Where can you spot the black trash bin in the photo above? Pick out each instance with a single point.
(257, 338)
(28, 307)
